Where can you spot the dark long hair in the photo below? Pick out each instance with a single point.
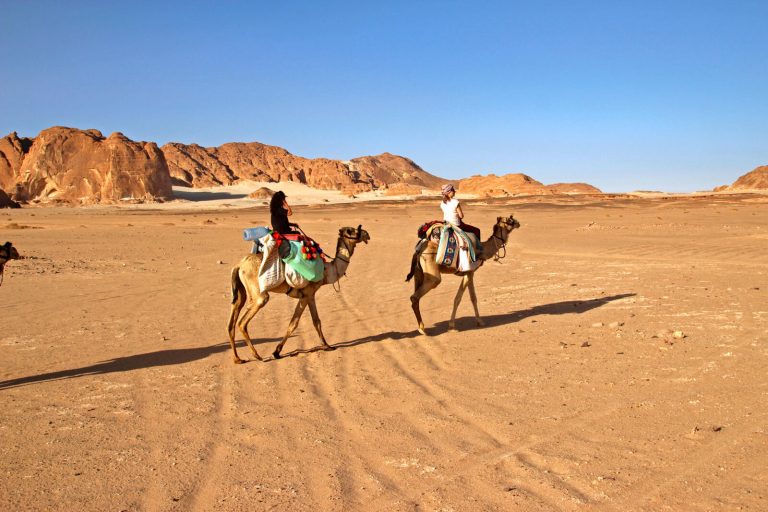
(276, 203)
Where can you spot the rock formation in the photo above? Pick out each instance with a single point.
(12, 151)
(491, 185)
(81, 166)
(7, 202)
(574, 188)
(757, 179)
(386, 170)
(196, 166)
(261, 193)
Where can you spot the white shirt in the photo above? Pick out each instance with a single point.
(450, 214)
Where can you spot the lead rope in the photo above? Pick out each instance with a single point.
(338, 281)
(496, 256)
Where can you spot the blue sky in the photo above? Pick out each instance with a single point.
(623, 95)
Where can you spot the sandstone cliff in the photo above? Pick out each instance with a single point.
(12, 151)
(757, 179)
(195, 166)
(491, 185)
(81, 166)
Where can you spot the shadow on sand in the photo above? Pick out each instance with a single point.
(201, 195)
(468, 322)
(186, 355)
(129, 363)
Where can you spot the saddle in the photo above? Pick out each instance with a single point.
(453, 244)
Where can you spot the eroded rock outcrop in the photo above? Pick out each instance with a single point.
(756, 179)
(12, 151)
(574, 188)
(195, 166)
(82, 166)
(491, 185)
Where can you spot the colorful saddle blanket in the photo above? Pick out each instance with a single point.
(452, 241)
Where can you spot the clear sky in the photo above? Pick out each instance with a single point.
(661, 95)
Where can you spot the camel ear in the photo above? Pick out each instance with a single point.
(498, 219)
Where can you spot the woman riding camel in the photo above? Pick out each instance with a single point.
(280, 211)
(452, 212)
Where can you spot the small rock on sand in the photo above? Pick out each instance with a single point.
(597, 324)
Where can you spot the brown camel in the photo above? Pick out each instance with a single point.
(7, 252)
(427, 272)
(245, 290)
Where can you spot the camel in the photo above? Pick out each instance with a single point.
(7, 252)
(427, 272)
(245, 290)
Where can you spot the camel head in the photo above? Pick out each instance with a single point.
(8, 252)
(354, 236)
(504, 226)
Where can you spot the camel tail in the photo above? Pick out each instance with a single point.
(414, 265)
(237, 285)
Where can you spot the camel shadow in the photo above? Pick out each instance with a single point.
(123, 364)
(468, 322)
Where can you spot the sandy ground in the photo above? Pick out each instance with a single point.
(118, 392)
(236, 196)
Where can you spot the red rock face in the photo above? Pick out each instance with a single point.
(76, 166)
(195, 166)
(500, 186)
(754, 180)
(389, 170)
(12, 151)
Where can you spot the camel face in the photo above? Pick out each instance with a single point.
(355, 235)
(9, 252)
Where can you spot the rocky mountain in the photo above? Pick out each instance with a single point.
(195, 166)
(82, 166)
(756, 179)
(490, 185)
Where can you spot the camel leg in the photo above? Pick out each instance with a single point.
(316, 321)
(473, 298)
(240, 298)
(422, 287)
(457, 301)
(258, 303)
(291, 326)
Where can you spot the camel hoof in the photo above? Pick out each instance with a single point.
(423, 332)
(276, 355)
(328, 348)
(453, 329)
(238, 360)
(480, 323)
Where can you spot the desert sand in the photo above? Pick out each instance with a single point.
(623, 365)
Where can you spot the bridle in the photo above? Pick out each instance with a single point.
(498, 228)
(357, 239)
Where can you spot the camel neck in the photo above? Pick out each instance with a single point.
(492, 246)
(335, 269)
